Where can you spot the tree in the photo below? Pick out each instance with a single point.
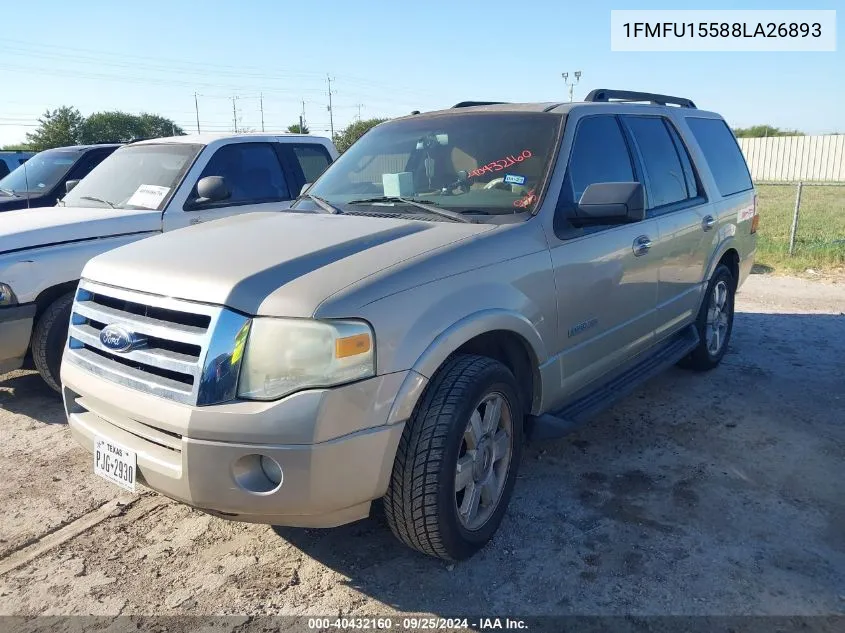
(344, 139)
(16, 147)
(121, 127)
(295, 129)
(761, 131)
(58, 128)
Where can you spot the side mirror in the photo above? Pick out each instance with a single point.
(70, 184)
(610, 203)
(305, 187)
(212, 189)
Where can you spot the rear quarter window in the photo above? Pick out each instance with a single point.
(722, 153)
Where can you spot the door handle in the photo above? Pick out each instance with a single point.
(708, 222)
(642, 245)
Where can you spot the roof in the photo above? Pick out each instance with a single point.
(209, 137)
(82, 148)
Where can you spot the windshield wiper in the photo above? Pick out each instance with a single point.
(323, 204)
(9, 192)
(425, 205)
(111, 204)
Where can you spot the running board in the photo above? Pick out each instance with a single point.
(574, 415)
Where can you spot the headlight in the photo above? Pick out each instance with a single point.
(7, 297)
(287, 355)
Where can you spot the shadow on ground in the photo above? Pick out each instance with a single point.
(26, 393)
(700, 493)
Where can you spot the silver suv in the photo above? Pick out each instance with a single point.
(456, 283)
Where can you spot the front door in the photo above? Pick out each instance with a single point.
(605, 277)
(254, 177)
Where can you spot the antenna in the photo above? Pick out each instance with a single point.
(26, 179)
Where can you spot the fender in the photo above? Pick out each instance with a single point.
(473, 325)
(30, 272)
(450, 340)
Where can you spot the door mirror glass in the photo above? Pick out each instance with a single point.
(212, 189)
(610, 203)
(70, 184)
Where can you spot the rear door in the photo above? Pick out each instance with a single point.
(605, 277)
(685, 221)
(254, 176)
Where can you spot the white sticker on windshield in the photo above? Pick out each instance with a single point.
(148, 196)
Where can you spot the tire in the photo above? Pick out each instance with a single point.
(49, 338)
(705, 357)
(422, 501)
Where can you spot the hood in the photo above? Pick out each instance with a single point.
(9, 203)
(41, 226)
(276, 263)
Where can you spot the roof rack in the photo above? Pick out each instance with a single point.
(469, 104)
(603, 94)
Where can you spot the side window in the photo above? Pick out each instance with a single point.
(4, 168)
(86, 165)
(252, 173)
(722, 153)
(599, 154)
(665, 174)
(686, 162)
(312, 159)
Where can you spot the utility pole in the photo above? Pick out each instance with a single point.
(197, 109)
(234, 114)
(359, 106)
(572, 85)
(331, 113)
(302, 119)
(261, 101)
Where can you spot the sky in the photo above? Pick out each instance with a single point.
(384, 58)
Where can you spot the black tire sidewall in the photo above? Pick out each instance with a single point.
(460, 542)
(51, 332)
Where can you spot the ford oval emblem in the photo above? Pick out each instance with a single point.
(119, 339)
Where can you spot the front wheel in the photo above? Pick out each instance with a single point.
(457, 460)
(49, 338)
(715, 321)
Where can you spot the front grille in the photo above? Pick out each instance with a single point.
(177, 334)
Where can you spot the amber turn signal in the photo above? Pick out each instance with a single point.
(351, 345)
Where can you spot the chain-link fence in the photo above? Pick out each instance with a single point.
(802, 221)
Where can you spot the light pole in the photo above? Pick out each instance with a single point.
(574, 83)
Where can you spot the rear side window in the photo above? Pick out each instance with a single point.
(599, 154)
(313, 160)
(666, 179)
(723, 155)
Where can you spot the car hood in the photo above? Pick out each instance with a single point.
(9, 203)
(276, 263)
(43, 226)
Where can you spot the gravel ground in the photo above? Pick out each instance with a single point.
(717, 494)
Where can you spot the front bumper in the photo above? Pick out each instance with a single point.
(335, 446)
(15, 331)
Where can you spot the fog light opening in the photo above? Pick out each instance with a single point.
(257, 474)
(272, 470)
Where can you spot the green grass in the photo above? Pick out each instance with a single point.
(820, 239)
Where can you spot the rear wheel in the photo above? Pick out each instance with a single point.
(457, 460)
(49, 338)
(715, 321)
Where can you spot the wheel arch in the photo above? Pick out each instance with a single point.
(505, 336)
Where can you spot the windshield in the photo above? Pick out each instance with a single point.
(489, 163)
(43, 171)
(135, 177)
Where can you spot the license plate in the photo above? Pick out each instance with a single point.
(115, 463)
